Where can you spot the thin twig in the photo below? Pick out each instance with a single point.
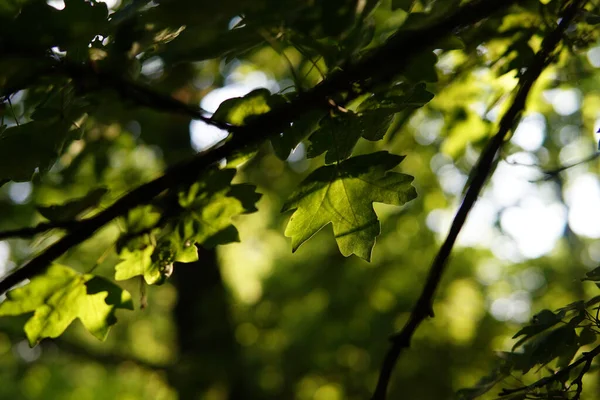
(579, 380)
(552, 173)
(423, 307)
(281, 51)
(380, 66)
(12, 110)
(92, 80)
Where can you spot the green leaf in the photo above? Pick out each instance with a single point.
(61, 295)
(71, 209)
(343, 195)
(587, 336)
(198, 43)
(139, 225)
(290, 138)
(338, 135)
(30, 147)
(141, 219)
(154, 263)
(593, 275)
(188, 253)
(422, 68)
(399, 98)
(540, 322)
(236, 110)
(559, 343)
(405, 5)
(138, 262)
(71, 28)
(209, 206)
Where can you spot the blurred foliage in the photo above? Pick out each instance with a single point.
(98, 98)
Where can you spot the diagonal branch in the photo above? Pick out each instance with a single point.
(29, 232)
(141, 94)
(482, 170)
(380, 66)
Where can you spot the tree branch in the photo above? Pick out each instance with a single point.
(424, 307)
(381, 65)
(90, 79)
(29, 232)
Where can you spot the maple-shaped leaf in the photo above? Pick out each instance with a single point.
(343, 195)
(62, 294)
(209, 206)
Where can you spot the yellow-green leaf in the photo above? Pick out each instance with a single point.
(61, 295)
(343, 195)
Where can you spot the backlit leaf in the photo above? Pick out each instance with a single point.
(61, 295)
(343, 195)
(138, 262)
(209, 205)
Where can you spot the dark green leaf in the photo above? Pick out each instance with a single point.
(587, 336)
(540, 322)
(399, 98)
(593, 275)
(405, 5)
(290, 138)
(209, 205)
(422, 68)
(558, 343)
(197, 44)
(72, 208)
(338, 135)
(30, 147)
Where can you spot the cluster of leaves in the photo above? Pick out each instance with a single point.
(553, 338)
(79, 59)
(168, 229)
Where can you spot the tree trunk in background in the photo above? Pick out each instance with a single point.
(209, 356)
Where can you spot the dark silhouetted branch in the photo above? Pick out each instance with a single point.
(482, 170)
(380, 66)
(29, 232)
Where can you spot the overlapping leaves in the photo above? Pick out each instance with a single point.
(551, 336)
(61, 295)
(338, 135)
(202, 217)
